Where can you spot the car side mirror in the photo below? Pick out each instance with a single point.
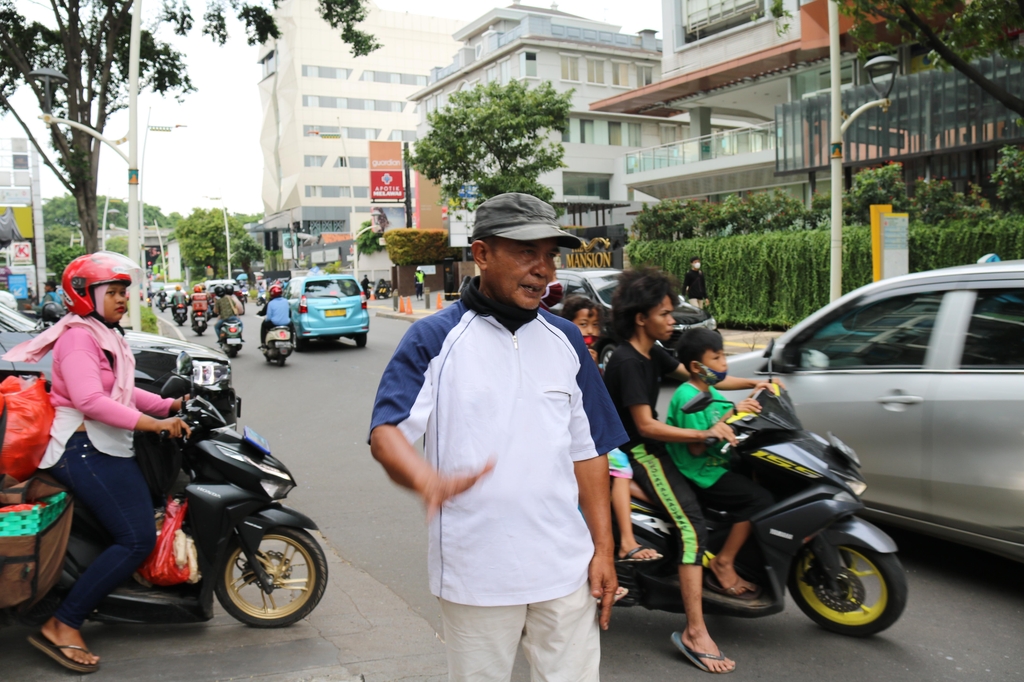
(183, 367)
(175, 387)
(768, 351)
(698, 403)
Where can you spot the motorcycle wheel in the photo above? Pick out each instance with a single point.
(296, 564)
(232, 351)
(872, 591)
(280, 360)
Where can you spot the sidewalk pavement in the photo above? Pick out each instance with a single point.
(736, 341)
(361, 631)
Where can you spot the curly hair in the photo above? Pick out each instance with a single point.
(639, 291)
(572, 305)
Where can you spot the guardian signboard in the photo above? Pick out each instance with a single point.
(387, 172)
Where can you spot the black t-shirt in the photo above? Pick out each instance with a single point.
(632, 379)
(693, 284)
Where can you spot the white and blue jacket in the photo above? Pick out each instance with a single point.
(532, 401)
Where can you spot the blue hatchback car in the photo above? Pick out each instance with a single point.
(328, 307)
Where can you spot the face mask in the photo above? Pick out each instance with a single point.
(589, 340)
(710, 376)
(696, 266)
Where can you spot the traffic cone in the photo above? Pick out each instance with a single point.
(408, 306)
(440, 304)
(401, 305)
(372, 297)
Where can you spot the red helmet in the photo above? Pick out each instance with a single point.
(198, 289)
(276, 290)
(86, 272)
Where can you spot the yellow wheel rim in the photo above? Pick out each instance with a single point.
(863, 593)
(288, 564)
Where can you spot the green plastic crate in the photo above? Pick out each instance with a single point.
(13, 524)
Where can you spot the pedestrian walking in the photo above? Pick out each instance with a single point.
(516, 423)
(420, 276)
(695, 289)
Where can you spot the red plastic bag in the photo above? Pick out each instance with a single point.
(25, 425)
(160, 567)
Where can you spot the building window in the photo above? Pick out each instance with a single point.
(570, 68)
(669, 134)
(360, 133)
(269, 64)
(361, 192)
(615, 133)
(504, 72)
(321, 131)
(587, 131)
(328, 191)
(620, 74)
(325, 72)
(644, 76)
(491, 74)
(567, 134)
(635, 135)
(339, 162)
(584, 185)
(708, 13)
(392, 77)
(358, 162)
(595, 71)
(403, 135)
(314, 161)
(528, 64)
(361, 209)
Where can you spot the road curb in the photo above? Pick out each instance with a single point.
(172, 327)
(401, 316)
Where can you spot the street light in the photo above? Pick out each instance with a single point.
(50, 77)
(227, 235)
(877, 69)
(111, 211)
(355, 248)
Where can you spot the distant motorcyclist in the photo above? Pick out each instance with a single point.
(199, 300)
(50, 296)
(224, 308)
(277, 311)
(366, 285)
(178, 297)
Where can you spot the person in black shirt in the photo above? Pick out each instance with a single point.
(642, 315)
(694, 287)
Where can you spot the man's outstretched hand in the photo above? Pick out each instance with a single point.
(437, 489)
(603, 584)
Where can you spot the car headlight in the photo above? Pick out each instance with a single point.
(276, 489)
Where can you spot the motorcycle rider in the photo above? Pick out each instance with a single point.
(224, 308)
(90, 451)
(278, 314)
(178, 297)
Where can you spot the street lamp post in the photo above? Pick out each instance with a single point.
(106, 210)
(227, 235)
(50, 78)
(879, 67)
(355, 250)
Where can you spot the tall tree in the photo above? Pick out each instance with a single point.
(497, 137)
(201, 237)
(87, 41)
(957, 32)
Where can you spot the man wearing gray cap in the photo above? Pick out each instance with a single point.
(515, 422)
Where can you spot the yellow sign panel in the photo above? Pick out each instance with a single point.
(876, 238)
(22, 217)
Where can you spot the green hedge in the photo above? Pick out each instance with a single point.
(408, 246)
(776, 279)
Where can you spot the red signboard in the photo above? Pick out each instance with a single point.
(387, 181)
(387, 184)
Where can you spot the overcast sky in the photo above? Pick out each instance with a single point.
(218, 153)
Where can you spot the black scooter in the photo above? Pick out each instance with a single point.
(255, 554)
(161, 301)
(180, 313)
(841, 571)
(199, 322)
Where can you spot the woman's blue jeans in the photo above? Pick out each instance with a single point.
(113, 489)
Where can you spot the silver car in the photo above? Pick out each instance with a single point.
(923, 375)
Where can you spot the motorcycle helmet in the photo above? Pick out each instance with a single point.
(86, 272)
(276, 291)
(229, 288)
(177, 287)
(218, 291)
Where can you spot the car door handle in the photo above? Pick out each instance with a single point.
(900, 399)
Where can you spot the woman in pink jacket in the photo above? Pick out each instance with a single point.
(97, 409)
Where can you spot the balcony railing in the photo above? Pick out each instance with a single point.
(713, 146)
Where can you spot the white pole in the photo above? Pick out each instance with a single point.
(227, 237)
(134, 246)
(103, 233)
(160, 241)
(836, 152)
(39, 230)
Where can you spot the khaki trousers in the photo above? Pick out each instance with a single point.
(560, 639)
(697, 303)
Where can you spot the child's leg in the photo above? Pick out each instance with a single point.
(620, 507)
(743, 498)
(723, 565)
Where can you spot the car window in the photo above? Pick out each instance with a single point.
(331, 288)
(294, 287)
(12, 321)
(605, 288)
(995, 337)
(892, 333)
(573, 286)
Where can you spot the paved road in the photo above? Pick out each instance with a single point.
(965, 620)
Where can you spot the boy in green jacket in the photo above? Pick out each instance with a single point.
(701, 352)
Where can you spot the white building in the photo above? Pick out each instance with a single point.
(591, 58)
(321, 106)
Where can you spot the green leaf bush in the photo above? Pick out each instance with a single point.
(776, 279)
(408, 246)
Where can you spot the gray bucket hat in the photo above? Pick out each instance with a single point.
(521, 217)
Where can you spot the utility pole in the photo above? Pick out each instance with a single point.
(835, 289)
(134, 234)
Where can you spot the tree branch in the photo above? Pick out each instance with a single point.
(1008, 100)
(35, 143)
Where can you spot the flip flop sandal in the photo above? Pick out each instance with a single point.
(629, 555)
(55, 652)
(698, 658)
(620, 593)
(711, 582)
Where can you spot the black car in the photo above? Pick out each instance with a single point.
(599, 285)
(155, 358)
